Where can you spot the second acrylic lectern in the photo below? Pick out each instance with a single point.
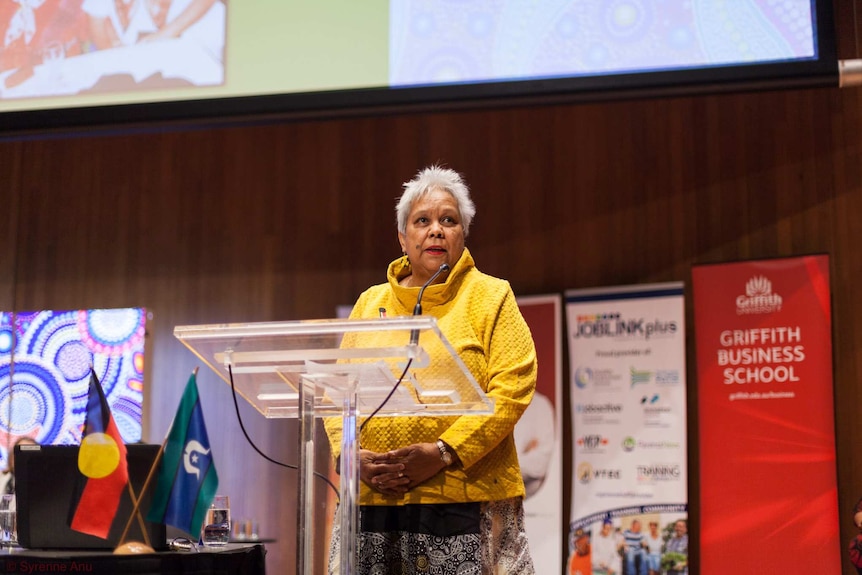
(349, 369)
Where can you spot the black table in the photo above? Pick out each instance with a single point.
(233, 559)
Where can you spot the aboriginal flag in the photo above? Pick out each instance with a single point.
(102, 465)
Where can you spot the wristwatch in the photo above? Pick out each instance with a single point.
(444, 453)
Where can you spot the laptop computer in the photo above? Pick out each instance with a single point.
(45, 478)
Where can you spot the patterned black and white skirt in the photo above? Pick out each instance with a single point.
(485, 538)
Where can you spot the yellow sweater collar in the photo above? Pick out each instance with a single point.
(434, 294)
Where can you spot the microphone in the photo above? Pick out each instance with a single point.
(417, 309)
(414, 340)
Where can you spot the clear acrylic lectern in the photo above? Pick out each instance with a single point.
(338, 368)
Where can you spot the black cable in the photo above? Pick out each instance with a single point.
(414, 341)
(388, 397)
(261, 453)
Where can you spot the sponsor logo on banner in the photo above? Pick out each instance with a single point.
(593, 443)
(758, 298)
(598, 379)
(659, 472)
(640, 376)
(613, 325)
(599, 408)
(599, 412)
(629, 444)
(583, 377)
(655, 411)
(667, 377)
(586, 473)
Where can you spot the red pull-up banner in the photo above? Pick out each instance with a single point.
(768, 487)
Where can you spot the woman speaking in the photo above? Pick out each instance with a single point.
(443, 495)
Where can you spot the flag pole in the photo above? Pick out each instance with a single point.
(136, 511)
(137, 503)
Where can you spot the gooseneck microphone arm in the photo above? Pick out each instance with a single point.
(417, 309)
(414, 340)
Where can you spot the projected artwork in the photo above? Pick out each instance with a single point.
(46, 398)
(95, 54)
(433, 42)
(70, 47)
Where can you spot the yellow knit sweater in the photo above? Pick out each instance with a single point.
(480, 318)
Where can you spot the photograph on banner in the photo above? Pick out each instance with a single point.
(648, 539)
(763, 337)
(538, 435)
(628, 405)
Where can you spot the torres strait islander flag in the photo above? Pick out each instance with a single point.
(102, 463)
(187, 479)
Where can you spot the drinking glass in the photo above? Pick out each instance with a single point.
(216, 530)
(8, 527)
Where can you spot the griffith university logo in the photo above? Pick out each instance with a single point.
(758, 298)
(583, 377)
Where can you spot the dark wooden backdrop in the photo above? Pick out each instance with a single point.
(288, 220)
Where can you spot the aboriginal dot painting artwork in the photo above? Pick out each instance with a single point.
(451, 42)
(45, 360)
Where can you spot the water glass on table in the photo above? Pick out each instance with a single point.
(216, 531)
(8, 526)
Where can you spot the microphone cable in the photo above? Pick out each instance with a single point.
(414, 340)
(387, 398)
(261, 453)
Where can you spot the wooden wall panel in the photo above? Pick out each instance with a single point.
(287, 221)
(9, 195)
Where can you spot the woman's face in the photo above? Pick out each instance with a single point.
(434, 235)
